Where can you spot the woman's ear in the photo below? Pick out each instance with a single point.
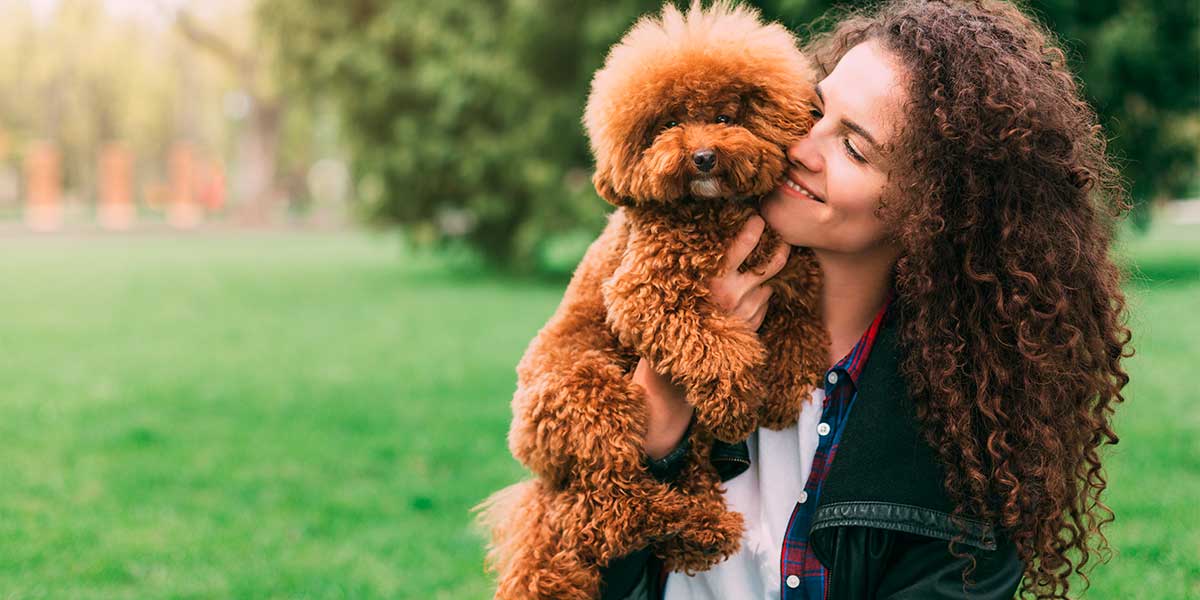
(602, 179)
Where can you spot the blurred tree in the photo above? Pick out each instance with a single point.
(69, 92)
(463, 118)
(1140, 64)
(89, 72)
(258, 143)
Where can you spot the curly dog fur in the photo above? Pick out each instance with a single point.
(689, 120)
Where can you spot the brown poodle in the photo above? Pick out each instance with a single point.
(689, 120)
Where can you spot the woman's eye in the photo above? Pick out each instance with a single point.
(854, 154)
(724, 119)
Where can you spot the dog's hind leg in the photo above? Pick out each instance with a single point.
(704, 531)
(559, 538)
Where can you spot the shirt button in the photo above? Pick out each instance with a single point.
(793, 581)
(832, 377)
(803, 496)
(823, 429)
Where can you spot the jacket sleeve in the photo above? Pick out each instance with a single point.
(667, 468)
(631, 577)
(869, 562)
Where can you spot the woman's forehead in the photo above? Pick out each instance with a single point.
(866, 87)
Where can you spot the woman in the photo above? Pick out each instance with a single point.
(956, 193)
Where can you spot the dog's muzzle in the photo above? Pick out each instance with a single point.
(706, 187)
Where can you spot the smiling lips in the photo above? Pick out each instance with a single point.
(799, 189)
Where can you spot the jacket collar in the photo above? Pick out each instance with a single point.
(885, 473)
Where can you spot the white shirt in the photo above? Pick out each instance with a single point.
(766, 494)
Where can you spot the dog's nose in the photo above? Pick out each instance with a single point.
(705, 159)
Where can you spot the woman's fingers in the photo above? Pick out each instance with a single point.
(743, 244)
(744, 295)
(757, 321)
(761, 300)
(754, 299)
(775, 264)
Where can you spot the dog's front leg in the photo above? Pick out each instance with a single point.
(797, 345)
(656, 303)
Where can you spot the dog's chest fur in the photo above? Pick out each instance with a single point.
(698, 231)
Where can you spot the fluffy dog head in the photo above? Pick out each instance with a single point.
(697, 105)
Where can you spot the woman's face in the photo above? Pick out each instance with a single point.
(839, 169)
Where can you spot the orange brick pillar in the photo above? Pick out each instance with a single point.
(43, 187)
(116, 187)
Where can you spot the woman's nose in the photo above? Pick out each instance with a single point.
(804, 153)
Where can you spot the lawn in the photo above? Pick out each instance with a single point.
(312, 416)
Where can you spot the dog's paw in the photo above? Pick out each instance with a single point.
(781, 405)
(694, 349)
(703, 541)
(728, 408)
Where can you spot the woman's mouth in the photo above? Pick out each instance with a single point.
(801, 190)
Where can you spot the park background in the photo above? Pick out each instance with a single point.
(268, 267)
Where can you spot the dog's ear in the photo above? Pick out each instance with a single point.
(780, 117)
(602, 179)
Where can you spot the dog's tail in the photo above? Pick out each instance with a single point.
(498, 517)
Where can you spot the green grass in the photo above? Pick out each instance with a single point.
(312, 416)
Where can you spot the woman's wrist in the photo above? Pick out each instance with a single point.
(668, 413)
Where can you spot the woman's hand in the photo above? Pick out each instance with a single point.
(741, 295)
(744, 295)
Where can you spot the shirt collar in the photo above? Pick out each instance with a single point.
(852, 364)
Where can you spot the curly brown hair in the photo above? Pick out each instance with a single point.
(1011, 308)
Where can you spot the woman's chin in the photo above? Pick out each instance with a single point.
(783, 218)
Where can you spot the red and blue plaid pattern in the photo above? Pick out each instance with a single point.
(841, 388)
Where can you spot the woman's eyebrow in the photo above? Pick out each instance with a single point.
(851, 125)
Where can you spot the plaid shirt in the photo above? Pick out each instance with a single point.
(802, 576)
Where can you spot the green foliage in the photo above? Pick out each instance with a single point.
(463, 117)
(61, 86)
(84, 74)
(1138, 62)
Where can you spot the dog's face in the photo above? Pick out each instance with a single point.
(701, 105)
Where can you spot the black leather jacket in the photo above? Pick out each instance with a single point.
(883, 521)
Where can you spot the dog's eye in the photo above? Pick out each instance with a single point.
(724, 119)
(670, 124)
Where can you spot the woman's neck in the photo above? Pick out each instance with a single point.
(855, 287)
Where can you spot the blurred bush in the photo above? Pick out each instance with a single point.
(464, 118)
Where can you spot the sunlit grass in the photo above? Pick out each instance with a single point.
(312, 416)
